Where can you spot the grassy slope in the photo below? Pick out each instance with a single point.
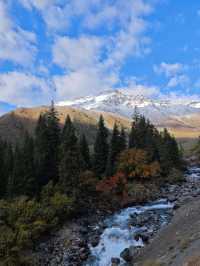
(14, 124)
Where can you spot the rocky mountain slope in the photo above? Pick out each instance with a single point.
(182, 117)
(14, 124)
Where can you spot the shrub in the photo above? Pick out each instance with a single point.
(115, 184)
(135, 165)
(24, 221)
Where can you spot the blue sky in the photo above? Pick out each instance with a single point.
(64, 49)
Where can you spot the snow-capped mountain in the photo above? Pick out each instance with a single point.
(124, 103)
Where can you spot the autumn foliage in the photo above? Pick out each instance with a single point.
(134, 164)
(115, 184)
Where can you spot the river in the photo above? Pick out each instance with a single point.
(126, 228)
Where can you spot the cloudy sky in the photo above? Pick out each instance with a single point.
(63, 49)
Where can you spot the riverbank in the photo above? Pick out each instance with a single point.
(178, 244)
(70, 246)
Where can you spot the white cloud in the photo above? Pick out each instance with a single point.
(24, 89)
(39, 4)
(176, 74)
(168, 69)
(89, 60)
(137, 89)
(127, 17)
(16, 44)
(83, 82)
(181, 80)
(74, 54)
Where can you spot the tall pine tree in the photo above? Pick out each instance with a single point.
(85, 153)
(71, 161)
(115, 149)
(53, 131)
(101, 149)
(3, 174)
(122, 141)
(30, 186)
(47, 141)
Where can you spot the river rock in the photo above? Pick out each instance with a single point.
(142, 219)
(126, 255)
(94, 241)
(143, 236)
(172, 198)
(115, 261)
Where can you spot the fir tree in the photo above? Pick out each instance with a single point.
(41, 151)
(101, 148)
(29, 175)
(3, 177)
(144, 136)
(122, 141)
(114, 151)
(85, 152)
(16, 183)
(53, 131)
(9, 159)
(71, 163)
(169, 153)
(47, 140)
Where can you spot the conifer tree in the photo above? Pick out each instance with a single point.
(144, 136)
(29, 175)
(114, 151)
(53, 131)
(169, 153)
(71, 163)
(3, 177)
(41, 151)
(85, 152)
(101, 149)
(122, 142)
(47, 140)
(9, 161)
(16, 184)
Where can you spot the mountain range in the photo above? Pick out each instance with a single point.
(182, 117)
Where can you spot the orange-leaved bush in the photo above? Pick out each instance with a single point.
(115, 184)
(134, 164)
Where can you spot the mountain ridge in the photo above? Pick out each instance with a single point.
(119, 99)
(170, 113)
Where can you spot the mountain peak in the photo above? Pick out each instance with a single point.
(124, 102)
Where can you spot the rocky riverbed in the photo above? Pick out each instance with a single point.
(113, 239)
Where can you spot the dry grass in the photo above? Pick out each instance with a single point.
(12, 124)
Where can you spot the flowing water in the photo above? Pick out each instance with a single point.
(120, 231)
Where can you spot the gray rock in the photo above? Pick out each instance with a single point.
(143, 236)
(126, 255)
(95, 241)
(115, 261)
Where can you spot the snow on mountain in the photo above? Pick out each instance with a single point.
(124, 103)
